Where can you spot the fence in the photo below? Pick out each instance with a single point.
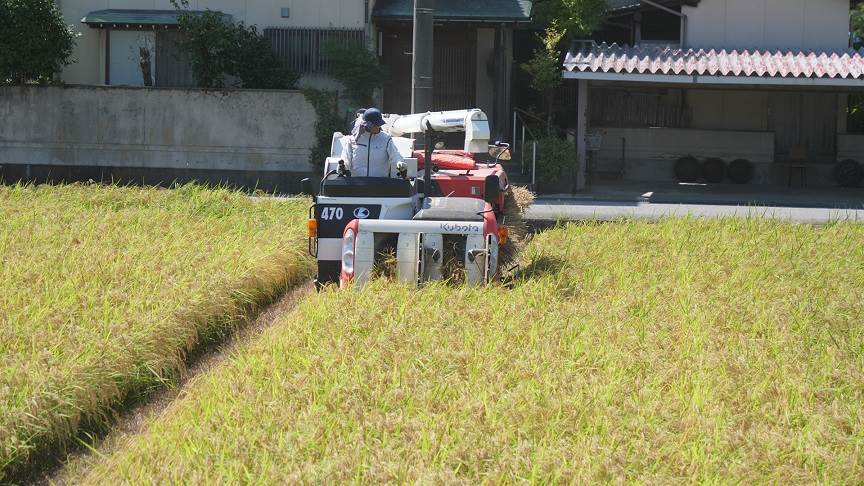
(302, 49)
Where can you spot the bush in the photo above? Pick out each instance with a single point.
(555, 160)
(357, 68)
(35, 44)
(221, 50)
(328, 122)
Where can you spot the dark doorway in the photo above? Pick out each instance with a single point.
(455, 75)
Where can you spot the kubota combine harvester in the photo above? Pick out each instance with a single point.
(450, 212)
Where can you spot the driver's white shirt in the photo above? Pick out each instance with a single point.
(368, 155)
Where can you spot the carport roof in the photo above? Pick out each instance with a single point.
(615, 6)
(459, 10)
(135, 17)
(712, 66)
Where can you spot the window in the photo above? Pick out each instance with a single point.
(302, 48)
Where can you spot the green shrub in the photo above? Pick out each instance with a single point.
(325, 103)
(35, 44)
(221, 50)
(357, 68)
(555, 159)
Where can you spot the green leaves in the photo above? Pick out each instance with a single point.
(228, 55)
(575, 18)
(555, 158)
(357, 68)
(34, 42)
(858, 20)
(545, 66)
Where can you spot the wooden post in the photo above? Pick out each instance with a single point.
(581, 134)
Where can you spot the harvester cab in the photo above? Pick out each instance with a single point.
(419, 223)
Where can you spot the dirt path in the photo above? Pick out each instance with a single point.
(135, 420)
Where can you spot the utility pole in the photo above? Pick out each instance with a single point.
(422, 62)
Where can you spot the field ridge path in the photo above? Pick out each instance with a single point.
(136, 419)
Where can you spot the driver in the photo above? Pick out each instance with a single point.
(371, 152)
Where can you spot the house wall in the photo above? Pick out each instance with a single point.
(89, 53)
(773, 129)
(728, 110)
(159, 129)
(649, 154)
(769, 24)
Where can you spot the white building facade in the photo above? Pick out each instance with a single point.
(108, 52)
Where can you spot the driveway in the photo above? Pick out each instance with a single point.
(559, 209)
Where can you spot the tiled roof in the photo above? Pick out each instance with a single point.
(622, 4)
(474, 10)
(839, 64)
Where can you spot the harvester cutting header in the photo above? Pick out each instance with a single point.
(374, 201)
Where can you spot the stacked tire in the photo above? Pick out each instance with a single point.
(848, 173)
(713, 170)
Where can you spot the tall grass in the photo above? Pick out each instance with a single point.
(689, 350)
(104, 289)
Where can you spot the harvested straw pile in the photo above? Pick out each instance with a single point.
(516, 202)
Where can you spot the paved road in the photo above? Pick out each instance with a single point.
(573, 210)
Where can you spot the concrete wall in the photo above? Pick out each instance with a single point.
(260, 131)
(89, 54)
(769, 24)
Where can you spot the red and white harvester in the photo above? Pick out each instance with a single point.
(433, 214)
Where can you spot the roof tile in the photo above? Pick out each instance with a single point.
(844, 64)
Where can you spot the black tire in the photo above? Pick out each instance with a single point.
(687, 169)
(714, 170)
(848, 173)
(740, 171)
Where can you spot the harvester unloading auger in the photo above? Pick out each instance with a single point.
(460, 209)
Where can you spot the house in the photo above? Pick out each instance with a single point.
(473, 44)
(114, 31)
(765, 83)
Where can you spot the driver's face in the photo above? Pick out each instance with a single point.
(374, 130)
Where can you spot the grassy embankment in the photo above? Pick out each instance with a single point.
(103, 290)
(686, 350)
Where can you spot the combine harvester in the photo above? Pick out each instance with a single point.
(453, 211)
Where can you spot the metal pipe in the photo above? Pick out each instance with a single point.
(673, 12)
(534, 165)
(422, 59)
(513, 140)
(523, 146)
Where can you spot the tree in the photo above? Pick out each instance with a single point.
(35, 44)
(545, 70)
(357, 68)
(857, 16)
(224, 54)
(574, 18)
(565, 20)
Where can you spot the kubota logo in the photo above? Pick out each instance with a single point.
(361, 213)
(460, 228)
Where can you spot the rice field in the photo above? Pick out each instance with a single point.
(103, 290)
(684, 351)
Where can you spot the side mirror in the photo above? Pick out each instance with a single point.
(492, 190)
(306, 187)
(499, 152)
